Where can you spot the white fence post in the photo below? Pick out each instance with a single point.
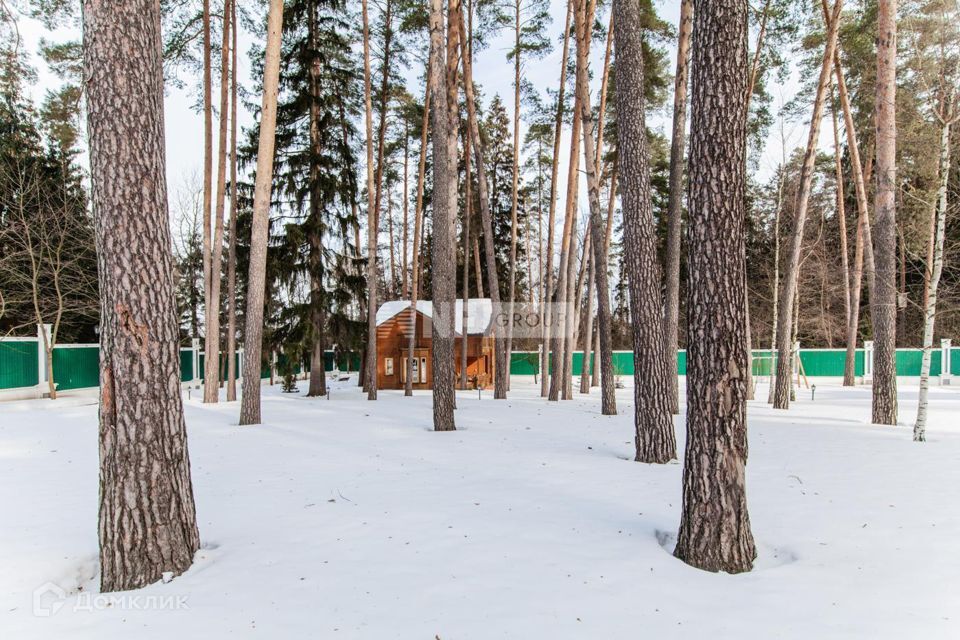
(43, 376)
(945, 364)
(195, 348)
(868, 361)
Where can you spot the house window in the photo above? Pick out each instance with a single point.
(388, 366)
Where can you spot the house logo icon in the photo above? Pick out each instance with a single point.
(48, 598)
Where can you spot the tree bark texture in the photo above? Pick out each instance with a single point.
(371, 368)
(417, 222)
(147, 519)
(232, 250)
(444, 216)
(546, 316)
(671, 302)
(936, 269)
(502, 369)
(655, 439)
(608, 400)
(781, 397)
(257, 270)
(211, 372)
(715, 525)
(883, 301)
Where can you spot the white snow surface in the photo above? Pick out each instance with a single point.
(345, 518)
(479, 313)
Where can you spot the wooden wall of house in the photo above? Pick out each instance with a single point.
(392, 344)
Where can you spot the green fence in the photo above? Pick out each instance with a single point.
(76, 367)
(816, 362)
(18, 364)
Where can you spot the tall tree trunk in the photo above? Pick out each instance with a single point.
(147, 518)
(671, 302)
(211, 373)
(256, 278)
(502, 370)
(372, 213)
(318, 374)
(404, 272)
(841, 212)
(468, 206)
(444, 203)
(883, 301)
(781, 398)
(207, 195)
(546, 314)
(585, 373)
(382, 109)
(863, 248)
(611, 209)
(655, 439)
(588, 333)
(232, 250)
(936, 269)
(417, 222)
(597, 227)
(775, 294)
(516, 180)
(715, 525)
(567, 243)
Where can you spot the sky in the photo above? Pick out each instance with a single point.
(492, 70)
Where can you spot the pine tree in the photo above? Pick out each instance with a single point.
(147, 520)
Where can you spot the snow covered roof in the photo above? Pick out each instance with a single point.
(479, 313)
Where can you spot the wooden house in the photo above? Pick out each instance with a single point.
(395, 320)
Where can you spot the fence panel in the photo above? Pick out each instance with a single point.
(18, 364)
(76, 367)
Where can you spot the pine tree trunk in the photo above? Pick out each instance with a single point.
(883, 302)
(563, 292)
(232, 250)
(611, 209)
(715, 526)
(318, 377)
(588, 333)
(841, 212)
(935, 269)
(207, 198)
(444, 228)
(546, 316)
(147, 519)
(502, 370)
(655, 439)
(516, 181)
(863, 250)
(404, 269)
(211, 374)
(468, 206)
(256, 278)
(781, 398)
(417, 222)
(597, 228)
(371, 367)
(671, 320)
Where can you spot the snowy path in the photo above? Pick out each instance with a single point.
(344, 518)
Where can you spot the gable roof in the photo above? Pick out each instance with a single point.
(479, 312)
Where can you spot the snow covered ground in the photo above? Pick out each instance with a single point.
(343, 518)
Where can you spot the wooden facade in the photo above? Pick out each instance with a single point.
(393, 344)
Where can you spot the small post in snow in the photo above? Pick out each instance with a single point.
(945, 364)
